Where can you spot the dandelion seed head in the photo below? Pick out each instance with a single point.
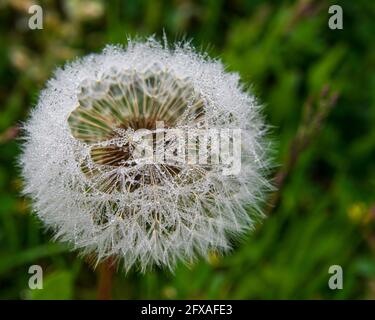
(80, 166)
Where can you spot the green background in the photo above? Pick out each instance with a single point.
(286, 52)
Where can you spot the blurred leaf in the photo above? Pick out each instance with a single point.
(29, 256)
(56, 286)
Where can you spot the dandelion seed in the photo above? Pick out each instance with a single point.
(82, 166)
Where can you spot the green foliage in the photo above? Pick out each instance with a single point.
(284, 52)
(57, 286)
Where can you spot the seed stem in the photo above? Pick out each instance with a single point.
(315, 111)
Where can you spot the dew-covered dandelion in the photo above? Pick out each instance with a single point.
(113, 165)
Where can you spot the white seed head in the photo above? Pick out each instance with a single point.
(82, 168)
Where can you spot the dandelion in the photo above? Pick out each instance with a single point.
(81, 158)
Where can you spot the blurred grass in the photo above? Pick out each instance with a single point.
(286, 51)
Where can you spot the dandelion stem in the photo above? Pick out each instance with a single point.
(106, 273)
